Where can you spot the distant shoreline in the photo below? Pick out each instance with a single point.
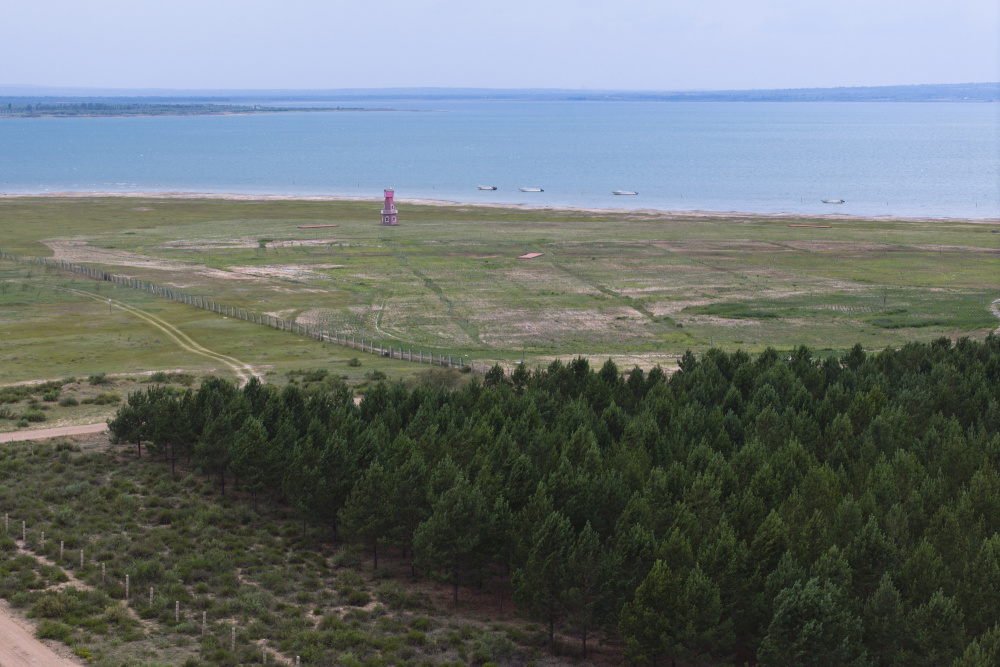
(644, 212)
(183, 112)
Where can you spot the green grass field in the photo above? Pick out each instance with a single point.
(642, 287)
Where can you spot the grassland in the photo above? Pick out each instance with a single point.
(640, 286)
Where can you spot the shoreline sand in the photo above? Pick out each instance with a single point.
(644, 212)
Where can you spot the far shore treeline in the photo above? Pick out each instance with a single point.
(780, 509)
(48, 109)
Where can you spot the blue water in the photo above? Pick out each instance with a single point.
(924, 159)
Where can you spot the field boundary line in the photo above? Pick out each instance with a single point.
(271, 321)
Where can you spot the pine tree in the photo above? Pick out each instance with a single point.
(812, 626)
(367, 514)
(250, 458)
(581, 597)
(448, 545)
(539, 584)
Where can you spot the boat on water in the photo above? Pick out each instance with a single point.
(531, 190)
(832, 201)
(624, 192)
(487, 187)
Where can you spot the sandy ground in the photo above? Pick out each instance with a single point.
(20, 648)
(645, 212)
(45, 434)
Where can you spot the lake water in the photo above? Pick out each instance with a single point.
(924, 159)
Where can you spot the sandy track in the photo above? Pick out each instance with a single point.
(243, 370)
(46, 433)
(20, 648)
(995, 307)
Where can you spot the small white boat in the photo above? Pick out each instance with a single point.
(487, 187)
(624, 192)
(832, 201)
(531, 190)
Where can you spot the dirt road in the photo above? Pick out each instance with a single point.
(46, 433)
(243, 370)
(19, 648)
(995, 307)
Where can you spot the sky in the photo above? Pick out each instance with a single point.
(574, 44)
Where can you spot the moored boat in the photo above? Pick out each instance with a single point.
(624, 192)
(487, 187)
(832, 201)
(531, 190)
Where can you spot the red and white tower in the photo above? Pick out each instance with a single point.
(389, 209)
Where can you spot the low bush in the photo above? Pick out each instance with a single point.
(54, 630)
(33, 416)
(104, 398)
(99, 379)
(68, 401)
(396, 597)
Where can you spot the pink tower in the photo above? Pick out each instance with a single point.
(389, 209)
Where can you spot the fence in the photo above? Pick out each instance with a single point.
(263, 319)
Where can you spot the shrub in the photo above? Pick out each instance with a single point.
(354, 362)
(68, 401)
(493, 647)
(33, 416)
(117, 614)
(104, 398)
(48, 606)
(51, 396)
(357, 598)
(65, 516)
(100, 378)
(159, 377)
(395, 597)
(54, 630)
(421, 623)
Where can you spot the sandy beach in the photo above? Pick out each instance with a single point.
(641, 212)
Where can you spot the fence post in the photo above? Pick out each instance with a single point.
(81, 559)
(204, 615)
(126, 589)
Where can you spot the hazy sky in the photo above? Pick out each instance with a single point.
(616, 44)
